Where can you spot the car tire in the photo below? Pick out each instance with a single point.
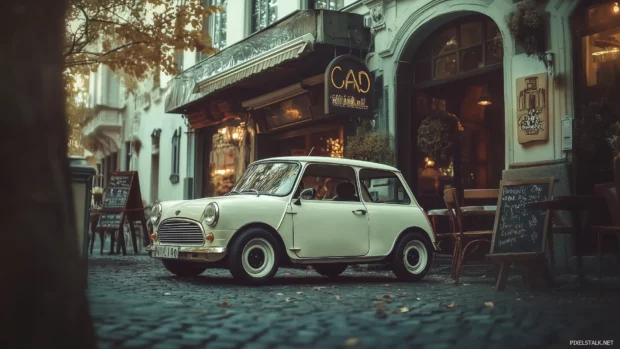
(254, 256)
(330, 270)
(413, 257)
(182, 268)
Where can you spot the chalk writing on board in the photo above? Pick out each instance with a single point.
(519, 229)
(109, 220)
(118, 190)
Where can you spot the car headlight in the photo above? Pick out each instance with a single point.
(156, 214)
(211, 214)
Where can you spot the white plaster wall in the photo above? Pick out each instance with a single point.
(238, 25)
(286, 7)
(404, 18)
(152, 118)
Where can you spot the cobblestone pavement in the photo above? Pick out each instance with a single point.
(136, 303)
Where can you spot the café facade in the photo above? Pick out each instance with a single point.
(303, 85)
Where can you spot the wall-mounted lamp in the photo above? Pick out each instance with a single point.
(485, 97)
(616, 7)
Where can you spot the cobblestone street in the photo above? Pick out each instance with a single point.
(136, 303)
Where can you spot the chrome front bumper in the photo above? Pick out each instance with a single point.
(198, 254)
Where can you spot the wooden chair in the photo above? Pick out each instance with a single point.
(443, 237)
(463, 239)
(611, 193)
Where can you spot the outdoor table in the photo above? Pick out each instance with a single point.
(576, 205)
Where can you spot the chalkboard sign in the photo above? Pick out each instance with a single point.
(519, 230)
(110, 220)
(118, 191)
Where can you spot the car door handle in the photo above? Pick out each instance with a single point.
(360, 211)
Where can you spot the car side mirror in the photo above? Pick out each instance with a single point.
(306, 194)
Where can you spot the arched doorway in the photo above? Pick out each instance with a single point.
(450, 70)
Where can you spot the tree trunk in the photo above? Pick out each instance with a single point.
(42, 295)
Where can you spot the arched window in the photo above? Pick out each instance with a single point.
(176, 156)
(461, 46)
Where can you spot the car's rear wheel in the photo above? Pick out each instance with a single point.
(412, 258)
(254, 256)
(183, 268)
(330, 270)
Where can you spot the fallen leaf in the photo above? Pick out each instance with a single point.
(387, 296)
(318, 288)
(419, 299)
(337, 297)
(351, 342)
(300, 293)
(466, 284)
(380, 313)
(224, 304)
(279, 294)
(291, 299)
(483, 276)
(404, 310)
(380, 304)
(347, 303)
(395, 311)
(387, 285)
(451, 305)
(489, 304)
(518, 299)
(167, 294)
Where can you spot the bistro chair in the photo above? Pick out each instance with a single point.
(612, 197)
(441, 238)
(464, 240)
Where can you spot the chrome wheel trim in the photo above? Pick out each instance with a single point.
(415, 247)
(269, 257)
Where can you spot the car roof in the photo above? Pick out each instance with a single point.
(334, 161)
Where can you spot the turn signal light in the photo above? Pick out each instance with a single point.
(210, 237)
(153, 236)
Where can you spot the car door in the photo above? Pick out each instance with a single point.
(330, 225)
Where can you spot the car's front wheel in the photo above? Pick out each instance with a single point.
(330, 270)
(254, 256)
(412, 257)
(182, 268)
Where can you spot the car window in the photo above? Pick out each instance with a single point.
(383, 187)
(332, 183)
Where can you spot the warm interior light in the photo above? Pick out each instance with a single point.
(485, 97)
(429, 162)
(600, 53)
(616, 8)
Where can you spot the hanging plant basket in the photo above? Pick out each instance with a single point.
(436, 135)
(136, 144)
(527, 27)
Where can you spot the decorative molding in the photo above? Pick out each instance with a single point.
(377, 14)
(424, 11)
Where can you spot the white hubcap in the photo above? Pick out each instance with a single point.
(258, 257)
(415, 257)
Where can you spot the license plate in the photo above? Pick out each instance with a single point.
(166, 252)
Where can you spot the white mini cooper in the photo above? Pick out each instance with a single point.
(298, 211)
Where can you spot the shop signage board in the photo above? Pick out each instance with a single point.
(520, 233)
(532, 112)
(123, 201)
(348, 87)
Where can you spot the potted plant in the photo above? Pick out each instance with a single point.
(614, 138)
(437, 134)
(97, 195)
(370, 145)
(527, 27)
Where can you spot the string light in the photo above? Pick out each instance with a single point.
(334, 147)
(616, 8)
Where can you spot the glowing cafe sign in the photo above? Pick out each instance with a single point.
(348, 87)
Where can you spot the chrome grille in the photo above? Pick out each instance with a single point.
(180, 233)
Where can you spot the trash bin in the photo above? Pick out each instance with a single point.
(81, 186)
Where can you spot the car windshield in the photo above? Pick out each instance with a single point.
(272, 178)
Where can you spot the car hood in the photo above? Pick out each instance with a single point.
(194, 209)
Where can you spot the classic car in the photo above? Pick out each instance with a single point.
(324, 212)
